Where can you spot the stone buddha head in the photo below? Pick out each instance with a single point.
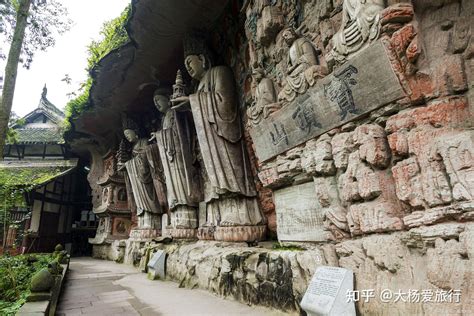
(197, 56)
(161, 100)
(289, 35)
(130, 135)
(257, 74)
(196, 66)
(130, 129)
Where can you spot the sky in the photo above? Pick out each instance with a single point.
(68, 56)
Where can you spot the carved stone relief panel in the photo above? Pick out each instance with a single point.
(352, 90)
(298, 216)
(360, 26)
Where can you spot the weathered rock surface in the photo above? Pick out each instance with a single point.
(411, 265)
(114, 250)
(276, 278)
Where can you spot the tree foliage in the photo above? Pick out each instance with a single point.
(46, 20)
(27, 26)
(15, 120)
(114, 35)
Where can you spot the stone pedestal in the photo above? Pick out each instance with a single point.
(182, 233)
(144, 233)
(206, 232)
(240, 233)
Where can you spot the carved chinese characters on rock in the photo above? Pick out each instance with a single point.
(350, 91)
(339, 91)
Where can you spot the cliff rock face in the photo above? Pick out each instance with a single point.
(369, 117)
(394, 184)
(274, 278)
(419, 264)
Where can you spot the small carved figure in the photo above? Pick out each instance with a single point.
(360, 26)
(302, 61)
(265, 98)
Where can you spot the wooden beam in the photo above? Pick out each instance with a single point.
(44, 151)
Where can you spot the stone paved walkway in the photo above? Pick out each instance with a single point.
(97, 287)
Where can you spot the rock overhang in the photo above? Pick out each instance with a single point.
(125, 79)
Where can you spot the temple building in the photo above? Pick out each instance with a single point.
(56, 197)
(268, 139)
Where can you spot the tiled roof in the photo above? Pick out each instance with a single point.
(47, 108)
(21, 173)
(39, 136)
(46, 105)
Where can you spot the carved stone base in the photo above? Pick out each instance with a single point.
(206, 232)
(240, 233)
(141, 233)
(182, 233)
(99, 239)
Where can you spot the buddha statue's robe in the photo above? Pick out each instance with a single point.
(229, 189)
(176, 142)
(301, 57)
(141, 181)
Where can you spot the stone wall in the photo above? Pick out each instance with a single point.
(273, 278)
(375, 175)
(394, 185)
(112, 250)
(362, 170)
(426, 259)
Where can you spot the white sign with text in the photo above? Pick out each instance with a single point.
(326, 294)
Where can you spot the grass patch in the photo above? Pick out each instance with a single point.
(279, 246)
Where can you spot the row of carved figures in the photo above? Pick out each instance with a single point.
(200, 155)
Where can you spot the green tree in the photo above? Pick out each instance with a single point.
(28, 26)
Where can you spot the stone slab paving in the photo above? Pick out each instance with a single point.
(98, 287)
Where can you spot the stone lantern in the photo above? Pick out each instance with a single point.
(113, 211)
(178, 87)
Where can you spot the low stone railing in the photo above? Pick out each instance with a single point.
(46, 286)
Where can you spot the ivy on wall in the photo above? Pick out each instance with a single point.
(15, 182)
